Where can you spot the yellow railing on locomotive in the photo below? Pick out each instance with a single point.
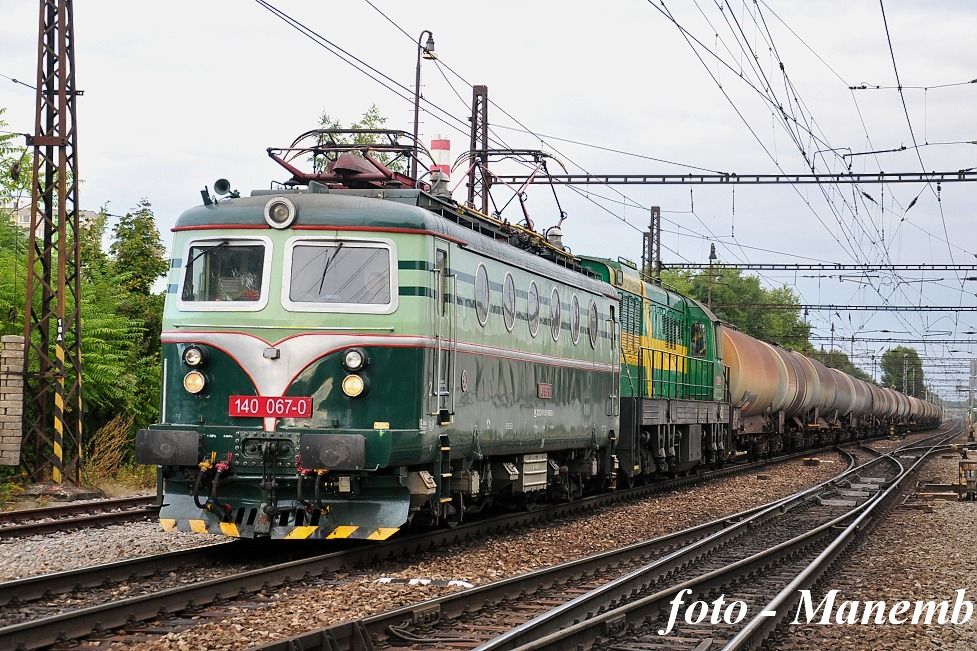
(672, 375)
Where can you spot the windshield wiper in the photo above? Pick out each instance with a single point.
(188, 285)
(325, 267)
(206, 251)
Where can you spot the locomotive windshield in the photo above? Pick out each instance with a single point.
(223, 271)
(340, 272)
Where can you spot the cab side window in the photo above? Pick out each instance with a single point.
(698, 339)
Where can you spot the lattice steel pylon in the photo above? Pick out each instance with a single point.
(52, 363)
(479, 180)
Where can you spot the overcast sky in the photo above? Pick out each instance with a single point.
(178, 94)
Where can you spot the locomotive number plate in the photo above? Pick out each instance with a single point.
(269, 407)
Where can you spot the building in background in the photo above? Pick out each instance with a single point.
(20, 213)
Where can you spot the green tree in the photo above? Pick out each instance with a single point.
(91, 232)
(137, 249)
(371, 119)
(110, 338)
(13, 243)
(15, 165)
(729, 290)
(14, 184)
(13, 276)
(138, 260)
(902, 369)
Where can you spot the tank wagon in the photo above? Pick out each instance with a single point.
(355, 352)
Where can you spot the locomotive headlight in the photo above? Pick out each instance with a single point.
(194, 382)
(193, 356)
(280, 212)
(353, 385)
(355, 359)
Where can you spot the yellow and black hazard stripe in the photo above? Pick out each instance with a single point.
(300, 532)
(58, 444)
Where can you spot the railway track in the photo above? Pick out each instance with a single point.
(47, 609)
(50, 519)
(620, 600)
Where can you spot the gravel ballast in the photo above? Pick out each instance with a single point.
(922, 551)
(57, 552)
(322, 602)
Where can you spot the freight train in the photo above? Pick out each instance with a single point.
(355, 352)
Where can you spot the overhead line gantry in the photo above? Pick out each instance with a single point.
(827, 266)
(849, 308)
(840, 340)
(968, 175)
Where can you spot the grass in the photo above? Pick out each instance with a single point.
(137, 475)
(129, 479)
(106, 461)
(8, 491)
(107, 450)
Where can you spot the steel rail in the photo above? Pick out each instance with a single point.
(344, 636)
(81, 622)
(32, 588)
(870, 450)
(351, 635)
(759, 628)
(73, 508)
(32, 522)
(581, 608)
(616, 620)
(613, 592)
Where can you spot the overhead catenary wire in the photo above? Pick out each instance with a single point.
(18, 81)
(447, 118)
(909, 121)
(867, 86)
(391, 84)
(689, 39)
(543, 138)
(770, 42)
(627, 201)
(881, 204)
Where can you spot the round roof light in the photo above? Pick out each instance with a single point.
(280, 212)
(354, 359)
(193, 357)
